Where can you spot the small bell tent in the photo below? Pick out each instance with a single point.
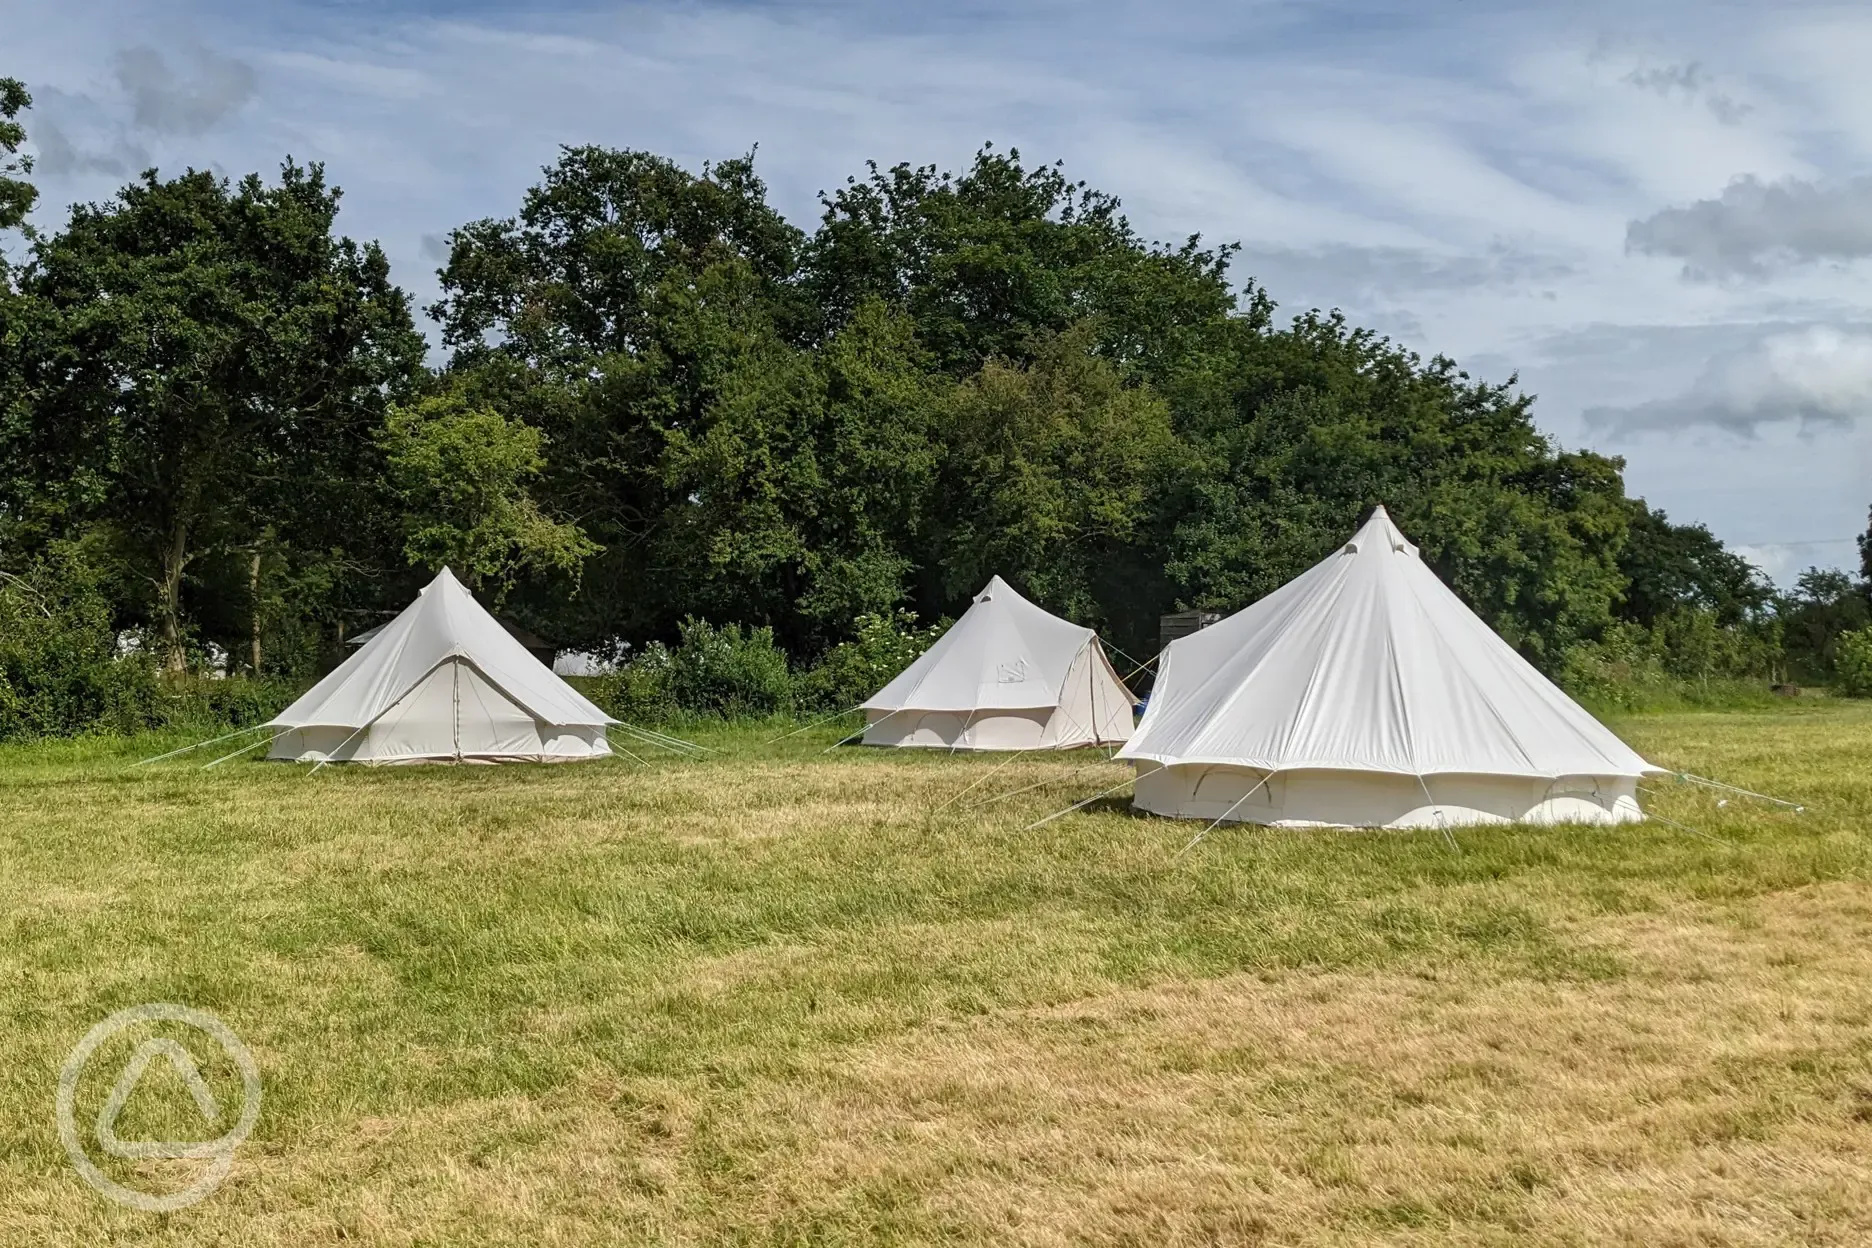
(442, 682)
(1006, 676)
(1364, 693)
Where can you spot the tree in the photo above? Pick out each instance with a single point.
(462, 474)
(992, 261)
(1825, 605)
(598, 245)
(212, 362)
(648, 320)
(1865, 556)
(17, 315)
(1294, 435)
(1853, 664)
(1048, 476)
(1673, 567)
(17, 195)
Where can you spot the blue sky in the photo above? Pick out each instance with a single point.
(1659, 215)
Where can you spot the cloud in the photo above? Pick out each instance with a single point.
(1754, 226)
(74, 136)
(1692, 82)
(80, 134)
(59, 156)
(1359, 276)
(165, 102)
(1817, 376)
(1778, 563)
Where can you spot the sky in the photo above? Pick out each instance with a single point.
(1656, 214)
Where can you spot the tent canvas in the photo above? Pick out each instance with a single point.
(1006, 676)
(532, 642)
(1364, 693)
(441, 682)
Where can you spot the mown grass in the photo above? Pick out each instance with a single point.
(782, 996)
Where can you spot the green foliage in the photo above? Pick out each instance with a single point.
(1670, 567)
(1826, 605)
(1852, 664)
(726, 672)
(1293, 436)
(729, 671)
(1687, 659)
(209, 361)
(665, 402)
(17, 195)
(997, 259)
(463, 473)
(601, 248)
(1050, 475)
(637, 691)
(881, 646)
(61, 672)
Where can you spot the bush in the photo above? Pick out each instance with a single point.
(724, 672)
(638, 691)
(880, 648)
(61, 673)
(1852, 664)
(729, 671)
(59, 670)
(1680, 663)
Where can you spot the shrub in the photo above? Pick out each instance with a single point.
(881, 646)
(726, 671)
(1852, 664)
(61, 672)
(638, 690)
(1680, 663)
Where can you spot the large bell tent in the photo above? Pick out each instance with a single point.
(443, 682)
(1364, 693)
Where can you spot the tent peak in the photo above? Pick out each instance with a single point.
(995, 585)
(444, 577)
(1379, 533)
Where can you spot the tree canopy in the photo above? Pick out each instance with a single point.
(659, 399)
(17, 195)
(208, 365)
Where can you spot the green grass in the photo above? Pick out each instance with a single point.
(784, 996)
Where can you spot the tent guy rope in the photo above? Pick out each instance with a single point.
(1077, 805)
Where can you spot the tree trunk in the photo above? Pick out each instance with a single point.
(253, 601)
(169, 605)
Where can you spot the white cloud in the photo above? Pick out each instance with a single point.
(1754, 226)
(1816, 376)
(1778, 563)
(1462, 177)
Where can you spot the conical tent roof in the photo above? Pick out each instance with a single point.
(1004, 653)
(444, 623)
(1368, 662)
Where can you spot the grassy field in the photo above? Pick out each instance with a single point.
(785, 997)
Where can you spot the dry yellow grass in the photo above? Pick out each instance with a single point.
(780, 998)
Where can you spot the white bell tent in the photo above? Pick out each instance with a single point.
(443, 682)
(1006, 676)
(1364, 693)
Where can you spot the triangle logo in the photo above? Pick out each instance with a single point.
(183, 1063)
